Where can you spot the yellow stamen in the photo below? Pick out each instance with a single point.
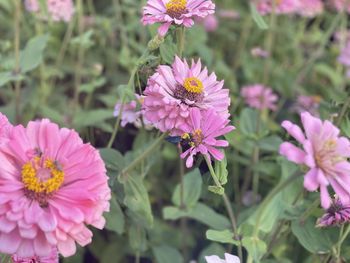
(35, 184)
(185, 136)
(176, 8)
(193, 85)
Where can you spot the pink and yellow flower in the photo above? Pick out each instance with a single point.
(260, 97)
(175, 12)
(52, 186)
(324, 152)
(172, 91)
(201, 134)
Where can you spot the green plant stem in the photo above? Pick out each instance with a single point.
(117, 124)
(228, 208)
(144, 155)
(308, 212)
(343, 235)
(17, 29)
(343, 111)
(268, 199)
(180, 35)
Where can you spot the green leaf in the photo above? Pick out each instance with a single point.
(137, 238)
(168, 51)
(259, 20)
(91, 118)
(201, 213)
(166, 254)
(192, 189)
(221, 171)
(115, 217)
(92, 86)
(32, 54)
(84, 40)
(8, 76)
(113, 159)
(224, 236)
(256, 247)
(248, 122)
(219, 190)
(345, 126)
(271, 143)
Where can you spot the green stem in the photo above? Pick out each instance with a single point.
(180, 35)
(268, 199)
(343, 235)
(144, 155)
(343, 111)
(228, 207)
(17, 57)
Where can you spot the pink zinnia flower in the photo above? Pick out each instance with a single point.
(336, 215)
(32, 5)
(172, 91)
(52, 186)
(60, 10)
(308, 103)
(178, 12)
(210, 23)
(52, 258)
(201, 133)
(324, 152)
(310, 8)
(281, 6)
(260, 97)
(228, 259)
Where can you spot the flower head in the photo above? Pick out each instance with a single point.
(210, 23)
(278, 6)
(52, 258)
(172, 91)
(52, 186)
(201, 133)
(310, 8)
(60, 10)
(337, 214)
(260, 97)
(178, 12)
(340, 5)
(32, 5)
(324, 152)
(308, 103)
(228, 259)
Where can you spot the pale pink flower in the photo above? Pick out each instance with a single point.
(324, 152)
(340, 5)
(230, 14)
(175, 12)
(310, 104)
(260, 97)
(60, 10)
(336, 215)
(344, 58)
(52, 186)
(32, 6)
(210, 23)
(259, 52)
(310, 8)
(52, 258)
(201, 133)
(172, 91)
(280, 6)
(228, 259)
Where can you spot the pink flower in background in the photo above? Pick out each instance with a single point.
(210, 23)
(340, 5)
(260, 97)
(5, 129)
(344, 58)
(172, 91)
(60, 10)
(310, 8)
(52, 186)
(231, 14)
(337, 214)
(324, 152)
(201, 133)
(228, 259)
(310, 104)
(177, 12)
(259, 52)
(32, 5)
(52, 258)
(281, 6)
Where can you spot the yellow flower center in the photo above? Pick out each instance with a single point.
(175, 8)
(193, 85)
(42, 176)
(193, 139)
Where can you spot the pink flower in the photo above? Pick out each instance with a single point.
(32, 6)
(60, 10)
(228, 259)
(172, 91)
(344, 57)
(210, 23)
(200, 135)
(230, 14)
(259, 52)
(340, 5)
(265, 7)
(177, 12)
(336, 215)
(310, 8)
(52, 258)
(308, 103)
(5, 129)
(52, 186)
(324, 152)
(260, 97)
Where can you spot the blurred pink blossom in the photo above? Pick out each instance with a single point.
(308, 103)
(260, 97)
(228, 259)
(32, 5)
(310, 8)
(280, 6)
(210, 23)
(340, 5)
(60, 10)
(259, 52)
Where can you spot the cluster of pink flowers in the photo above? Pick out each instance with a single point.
(52, 186)
(260, 97)
(175, 12)
(325, 152)
(59, 10)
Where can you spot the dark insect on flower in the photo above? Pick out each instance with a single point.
(337, 214)
(173, 139)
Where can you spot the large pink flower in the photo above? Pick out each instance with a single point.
(178, 12)
(281, 6)
(52, 258)
(310, 8)
(60, 10)
(52, 186)
(172, 91)
(200, 135)
(260, 97)
(324, 152)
